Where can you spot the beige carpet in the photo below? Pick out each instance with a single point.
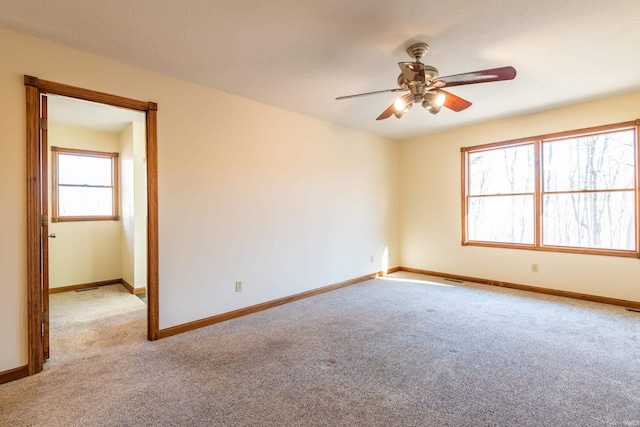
(83, 323)
(405, 352)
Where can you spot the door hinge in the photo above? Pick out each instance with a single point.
(45, 317)
(43, 123)
(45, 221)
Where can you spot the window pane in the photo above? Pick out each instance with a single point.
(590, 220)
(596, 162)
(85, 201)
(502, 171)
(84, 170)
(507, 219)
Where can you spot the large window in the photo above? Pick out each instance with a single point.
(85, 185)
(570, 192)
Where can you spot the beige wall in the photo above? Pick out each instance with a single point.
(140, 205)
(85, 251)
(133, 206)
(127, 205)
(431, 208)
(247, 192)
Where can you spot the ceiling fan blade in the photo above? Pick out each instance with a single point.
(399, 89)
(482, 76)
(412, 71)
(386, 113)
(454, 102)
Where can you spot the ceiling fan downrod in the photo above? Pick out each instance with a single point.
(418, 51)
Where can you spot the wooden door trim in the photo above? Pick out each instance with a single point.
(34, 88)
(153, 277)
(34, 228)
(53, 88)
(44, 169)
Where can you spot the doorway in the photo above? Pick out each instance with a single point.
(37, 208)
(97, 205)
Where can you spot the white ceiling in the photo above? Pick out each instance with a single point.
(90, 115)
(299, 55)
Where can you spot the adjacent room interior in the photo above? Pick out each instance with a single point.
(86, 251)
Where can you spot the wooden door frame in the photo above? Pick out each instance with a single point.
(44, 176)
(34, 88)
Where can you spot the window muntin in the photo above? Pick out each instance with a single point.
(585, 200)
(85, 185)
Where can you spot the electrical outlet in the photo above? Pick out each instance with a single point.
(534, 268)
(372, 258)
(238, 285)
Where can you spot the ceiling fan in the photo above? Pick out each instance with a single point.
(425, 86)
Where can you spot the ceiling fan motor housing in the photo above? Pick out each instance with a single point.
(430, 72)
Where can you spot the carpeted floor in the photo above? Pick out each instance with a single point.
(404, 350)
(78, 320)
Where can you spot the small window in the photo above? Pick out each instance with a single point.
(85, 185)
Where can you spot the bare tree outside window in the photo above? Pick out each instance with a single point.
(501, 190)
(588, 197)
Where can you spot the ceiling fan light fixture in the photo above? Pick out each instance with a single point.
(399, 104)
(433, 101)
(400, 113)
(432, 108)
